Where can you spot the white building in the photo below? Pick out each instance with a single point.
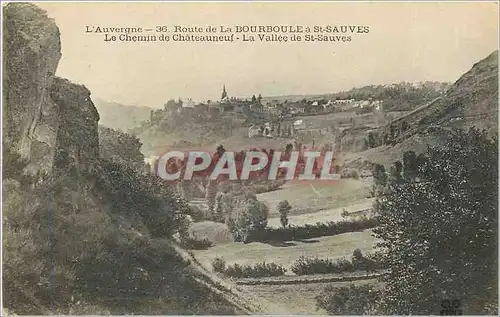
(299, 124)
(253, 131)
(188, 104)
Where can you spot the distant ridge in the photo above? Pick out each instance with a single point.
(122, 117)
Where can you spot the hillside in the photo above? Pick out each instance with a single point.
(123, 117)
(85, 233)
(471, 101)
(396, 97)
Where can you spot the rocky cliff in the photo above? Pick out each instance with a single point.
(44, 116)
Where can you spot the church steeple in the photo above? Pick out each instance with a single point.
(224, 92)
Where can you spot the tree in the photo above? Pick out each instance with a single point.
(405, 126)
(410, 165)
(210, 196)
(249, 217)
(440, 230)
(120, 147)
(284, 209)
(379, 175)
(395, 171)
(371, 141)
(171, 104)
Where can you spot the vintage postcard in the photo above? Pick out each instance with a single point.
(250, 158)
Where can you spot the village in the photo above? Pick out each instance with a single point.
(276, 118)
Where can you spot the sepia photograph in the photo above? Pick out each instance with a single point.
(250, 158)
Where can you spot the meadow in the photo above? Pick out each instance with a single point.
(314, 196)
(285, 253)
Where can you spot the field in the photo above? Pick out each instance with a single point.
(313, 196)
(312, 202)
(333, 214)
(295, 299)
(285, 253)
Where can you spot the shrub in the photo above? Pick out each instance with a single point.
(262, 269)
(293, 233)
(344, 213)
(219, 265)
(310, 266)
(284, 209)
(196, 213)
(193, 243)
(350, 173)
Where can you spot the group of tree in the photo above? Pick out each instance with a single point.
(438, 227)
(99, 243)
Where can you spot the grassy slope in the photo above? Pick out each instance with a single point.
(286, 253)
(313, 196)
(299, 299)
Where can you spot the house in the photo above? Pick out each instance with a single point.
(364, 103)
(297, 107)
(253, 131)
(299, 125)
(344, 101)
(255, 107)
(188, 104)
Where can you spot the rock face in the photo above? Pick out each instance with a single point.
(77, 143)
(32, 51)
(45, 117)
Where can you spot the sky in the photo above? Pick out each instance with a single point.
(406, 42)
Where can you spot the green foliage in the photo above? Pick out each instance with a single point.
(379, 175)
(372, 140)
(145, 196)
(61, 241)
(219, 265)
(359, 262)
(294, 233)
(211, 195)
(262, 269)
(284, 209)
(395, 172)
(410, 165)
(440, 229)
(351, 300)
(344, 213)
(248, 218)
(193, 243)
(120, 147)
(12, 163)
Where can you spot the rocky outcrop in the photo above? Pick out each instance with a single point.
(32, 50)
(77, 143)
(45, 117)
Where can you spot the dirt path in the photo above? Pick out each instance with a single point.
(246, 302)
